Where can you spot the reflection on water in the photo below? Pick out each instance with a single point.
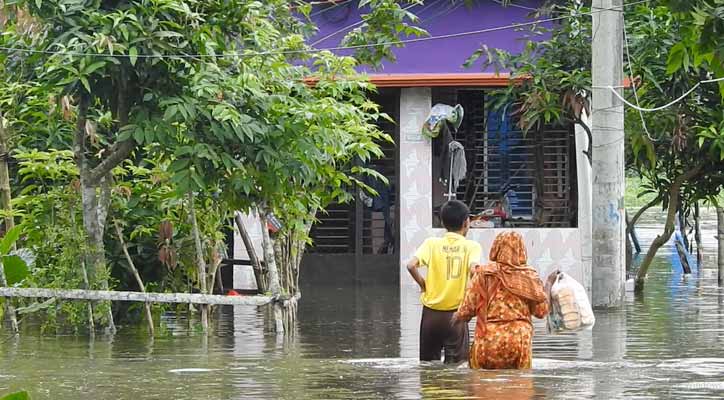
(351, 343)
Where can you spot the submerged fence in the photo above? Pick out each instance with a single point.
(146, 297)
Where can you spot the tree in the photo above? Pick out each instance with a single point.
(195, 84)
(680, 161)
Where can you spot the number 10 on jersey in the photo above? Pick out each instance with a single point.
(454, 267)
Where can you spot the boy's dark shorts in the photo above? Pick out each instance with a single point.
(437, 334)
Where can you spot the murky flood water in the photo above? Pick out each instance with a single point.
(351, 343)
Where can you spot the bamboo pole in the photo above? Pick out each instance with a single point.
(134, 271)
(147, 297)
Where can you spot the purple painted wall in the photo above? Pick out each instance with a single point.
(438, 17)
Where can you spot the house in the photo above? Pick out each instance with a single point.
(351, 241)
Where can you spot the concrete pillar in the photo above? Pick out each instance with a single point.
(720, 244)
(415, 206)
(583, 173)
(609, 253)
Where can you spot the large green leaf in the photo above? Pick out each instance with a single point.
(9, 239)
(15, 269)
(16, 396)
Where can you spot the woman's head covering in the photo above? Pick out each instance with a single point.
(508, 248)
(509, 264)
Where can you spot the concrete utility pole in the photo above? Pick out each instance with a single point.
(720, 243)
(609, 223)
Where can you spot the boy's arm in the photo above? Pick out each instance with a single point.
(412, 268)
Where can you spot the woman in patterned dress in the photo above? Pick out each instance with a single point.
(503, 295)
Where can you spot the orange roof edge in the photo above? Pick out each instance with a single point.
(436, 80)
(480, 79)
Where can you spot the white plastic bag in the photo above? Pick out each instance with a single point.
(570, 308)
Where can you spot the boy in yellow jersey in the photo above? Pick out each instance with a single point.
(448, 260)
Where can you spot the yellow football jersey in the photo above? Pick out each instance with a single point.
(448, 261)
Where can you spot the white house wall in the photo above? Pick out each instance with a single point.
(548, 248)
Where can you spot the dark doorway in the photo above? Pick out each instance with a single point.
(358, 242)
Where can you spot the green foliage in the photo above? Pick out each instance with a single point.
(552, 75)
(383, 23)
(690, 134)
(48, 203)
(700, 44)
(15, 268)
(162, 98)
(16, 396)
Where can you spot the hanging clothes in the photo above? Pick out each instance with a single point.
(439, 116)
(458, 165)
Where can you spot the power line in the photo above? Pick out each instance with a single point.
(324, 10)
(314, 50)
(515, 5)
(665, 106)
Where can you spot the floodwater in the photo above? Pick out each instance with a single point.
(351, 343)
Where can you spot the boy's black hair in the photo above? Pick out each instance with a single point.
(453, 214)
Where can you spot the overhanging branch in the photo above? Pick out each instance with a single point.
(119, 152)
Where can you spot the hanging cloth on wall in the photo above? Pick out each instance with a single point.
(439, 123)
(458, 167)
(439, 116)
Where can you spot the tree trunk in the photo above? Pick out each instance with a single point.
(251, 251)
(289, 250)
(271, 265)
(664, 237)
(720, 239)
(631, 224)
(584, 125)
(200, 263)
(136, 275)
(697, 236)
(683, 224)
(269, 259)
(94, 207)
(211, 275)
(5, 198)
(681, 251)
